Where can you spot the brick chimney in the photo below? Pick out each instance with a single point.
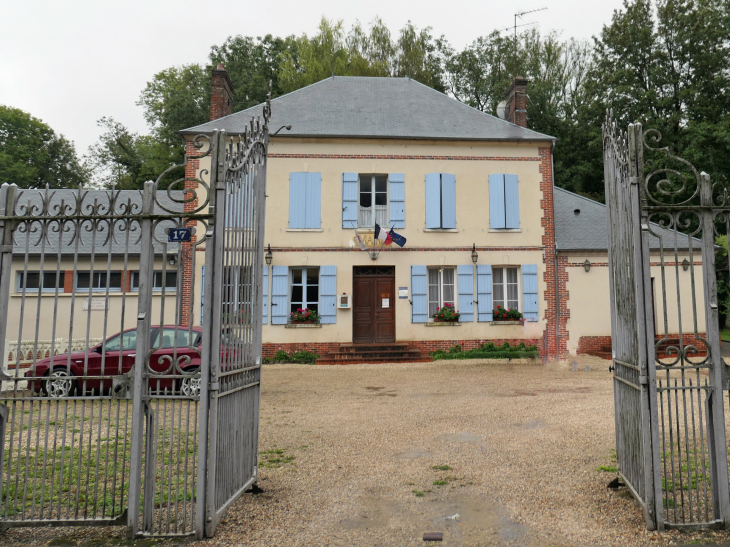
(516, 109)
(221, 94)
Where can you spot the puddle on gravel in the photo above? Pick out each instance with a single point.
(480, 521)
(465, 437)
(534, 392)
(413, 454)
(534, 424)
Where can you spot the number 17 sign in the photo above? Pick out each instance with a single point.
(179, 234)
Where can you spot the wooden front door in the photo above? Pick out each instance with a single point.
(373, 304)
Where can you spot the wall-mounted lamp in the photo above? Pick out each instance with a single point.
(685, 264)
(172, 258)
(474, 255)
(268, 256)
(587, 265)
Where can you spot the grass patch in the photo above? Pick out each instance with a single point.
(607, 468)
(418, 493)
(441, 467)
(275, 458)
(725, 335)
(440, 482)
(488, 351)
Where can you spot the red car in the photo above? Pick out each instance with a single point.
(173, 347)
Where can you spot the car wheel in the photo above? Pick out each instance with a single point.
(59, 383)
(190, 385)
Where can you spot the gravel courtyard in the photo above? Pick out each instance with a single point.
(380, 454)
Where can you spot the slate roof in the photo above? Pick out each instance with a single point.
(369, 107)
(101, 197)
(587, 230)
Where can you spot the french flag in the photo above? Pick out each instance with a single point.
(382, 235)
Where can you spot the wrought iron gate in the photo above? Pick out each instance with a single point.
(134, 411)
(670, 418)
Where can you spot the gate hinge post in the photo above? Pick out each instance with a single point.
(644, 380)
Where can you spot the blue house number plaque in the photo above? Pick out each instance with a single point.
(179, 234)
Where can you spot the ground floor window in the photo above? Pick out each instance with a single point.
(505, 288)
(168, 280)
(45, 281)
(304, 289)
(441, 288)
(99, 281)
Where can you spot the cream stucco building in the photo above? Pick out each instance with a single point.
(455, 182)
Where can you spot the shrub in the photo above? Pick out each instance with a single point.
(304, 357)
(506, 313)
(456, 349)
(281, 355)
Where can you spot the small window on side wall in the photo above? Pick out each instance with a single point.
(43, 281)
(166, 279)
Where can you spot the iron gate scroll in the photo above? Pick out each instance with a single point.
(670, 416)
(134, 411)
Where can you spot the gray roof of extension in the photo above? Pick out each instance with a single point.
(368, 107)
(587, 229)
(35, 198)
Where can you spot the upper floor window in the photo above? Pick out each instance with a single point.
(99, 281)
(441, 289)
(504, 202)
(505, 288)
(372, 201)
(304, 289)
(43, 281)
(305, 200)
(440, 201)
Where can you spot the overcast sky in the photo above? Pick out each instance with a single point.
(72, 62)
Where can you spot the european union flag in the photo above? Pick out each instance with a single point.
(397, 238)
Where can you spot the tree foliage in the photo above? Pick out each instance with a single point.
(665, 63)
(32, 155)
(126, 160)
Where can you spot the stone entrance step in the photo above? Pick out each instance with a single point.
(396, 352)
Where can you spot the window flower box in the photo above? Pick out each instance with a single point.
(506, 314)
(446, 314)
(304, 317)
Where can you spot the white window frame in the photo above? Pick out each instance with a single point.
(440, 302)
(91, 281)
(386, 223)
(134, 281)
(304, 303)
(504, 283)
(41, 279)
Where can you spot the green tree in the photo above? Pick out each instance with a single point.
(669, 69)
(176, 98)
(32, 155)
(126, 160)
(482, 72)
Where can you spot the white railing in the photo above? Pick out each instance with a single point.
(42, 349)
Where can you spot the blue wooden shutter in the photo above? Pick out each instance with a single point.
(328, 294)
(419, 288)
(279, 294)
(448, 200)
(466, 293)
(312, 210)
(202, 293)
(496, 202)
(511, 202)
(484, 293)
(265, 293)
(433, 200)
(530, 309)
(349, 200)
(397, 200)
(297, 200)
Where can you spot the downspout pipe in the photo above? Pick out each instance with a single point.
(555, 239)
